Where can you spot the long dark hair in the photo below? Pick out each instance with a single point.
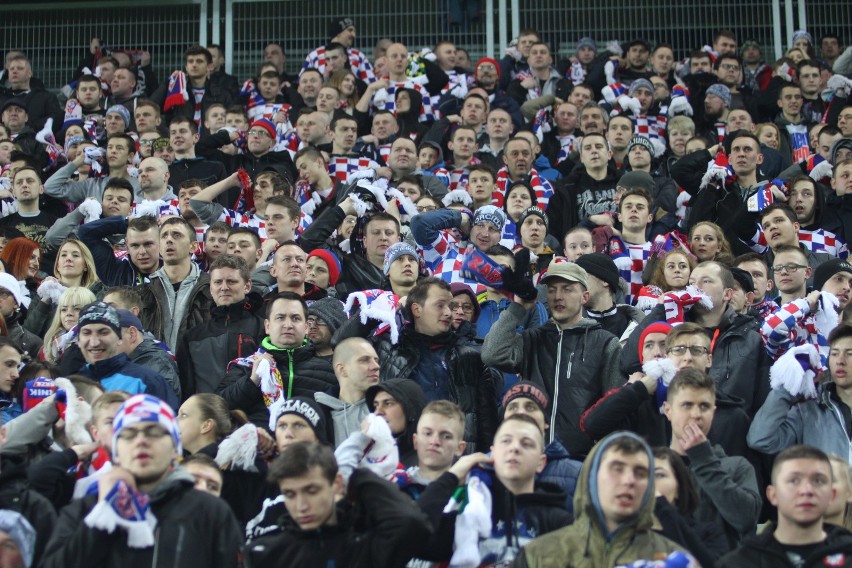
(687, 494)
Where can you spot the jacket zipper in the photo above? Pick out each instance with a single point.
(556, 388)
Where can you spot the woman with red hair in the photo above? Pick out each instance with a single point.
(22, 258)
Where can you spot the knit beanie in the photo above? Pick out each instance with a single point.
(656, 327)
(337, 25)
(330, 311)
(720, 91)
(100, 313)
(532, 210)
(145, 408)
(122, 111)
(309, 409)
(601, 266)
(490, 214)
(397, 250)
(331, 261)
(525, 389)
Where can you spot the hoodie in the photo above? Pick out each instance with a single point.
(409, 394)
(587, 543)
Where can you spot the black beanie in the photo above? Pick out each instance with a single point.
(600, 266)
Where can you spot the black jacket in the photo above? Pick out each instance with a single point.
(16, 495)
(358, 273)
(377, 525)
(706, 541)
(740, 362)
(302, 373)
(111, 270)
(41, 105)
(410, 396)
(205, 350)
(575, 366)
(471, 383)
(208, 147)
(118, 373)
(196, 168)
(763, 551)
(194, 529)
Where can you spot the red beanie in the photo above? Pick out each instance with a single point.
(490, 60)
(331, 261)
(266, 124)
(656, 327)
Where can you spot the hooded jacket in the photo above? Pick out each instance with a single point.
(409, 121)
(302, 373)
(204, 351)
(471, 384)
(194, 529)
(763, 551)
(410, 396)
(167, 313)
(587, 543)
(377, 525)
(575, 366)
(345, 417)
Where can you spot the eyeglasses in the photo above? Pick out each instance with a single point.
(311, 322)
(694, 350)
(729, 67)
(256, 132)
(789, 268)
(426, 208)
(466, 308)
(152, 432)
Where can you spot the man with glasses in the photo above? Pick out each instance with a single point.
(192, 527)
(739, 376)
(261, 138)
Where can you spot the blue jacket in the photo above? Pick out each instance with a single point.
(119, 373)
(561, 470)
(545, 170)
(111, 270)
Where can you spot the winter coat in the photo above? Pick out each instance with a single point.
(706, 541)
(195, 529)
(167, 314)
(214, 92)
(118, 373)
(231, 332)
(377, 525)
(740, 363)
(784, 420)
(561, 470)
(16, 495)
(410, 396)
(196, 168)
(471, 384)
(587, 543)
(575, 366)
(763, 551)
(155, 355)
(302, 373)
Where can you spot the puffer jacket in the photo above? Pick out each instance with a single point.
(169, 315)
(575, 366)
(587, 543)
(119, 373)
(740, 363)
(471, 384)
(302, 374)
(196, 530)
(232, 332)
(783, 421)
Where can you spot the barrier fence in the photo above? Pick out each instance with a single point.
(56, 35)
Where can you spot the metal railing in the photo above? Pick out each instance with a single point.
(56, 36)
(301, 26)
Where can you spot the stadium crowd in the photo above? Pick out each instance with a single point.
(407, 309)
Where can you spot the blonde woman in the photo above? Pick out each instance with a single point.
(65, 317)
(74, 266)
